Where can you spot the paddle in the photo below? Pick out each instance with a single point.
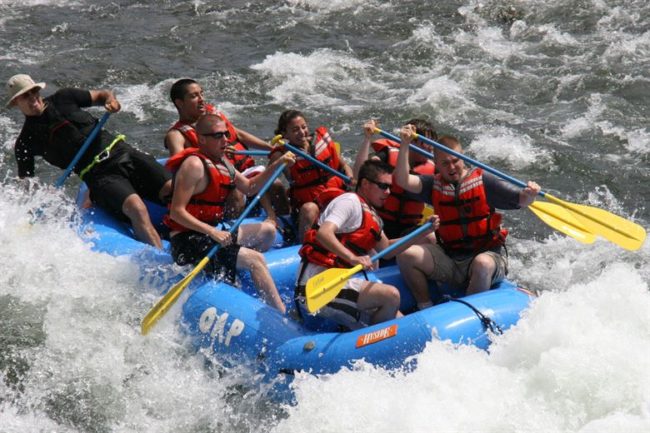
(555, 216)
(252, 152)
(61, 180)
(172, 295)
(324, 287)
(310, 158)
(579, 222)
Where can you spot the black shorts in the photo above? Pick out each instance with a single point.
(128, 171)
(189, 248)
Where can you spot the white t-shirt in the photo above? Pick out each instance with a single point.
(346, 213)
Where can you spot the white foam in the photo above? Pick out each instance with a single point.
(325, 78)
(333, 5)
(140, 98)
(504, 144)
(578, 359)
(638, 141)
(580, 125)
(92, 359)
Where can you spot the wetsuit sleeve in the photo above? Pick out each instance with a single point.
(71, 99)
(500, 193)
(425, 195)
(24, 157)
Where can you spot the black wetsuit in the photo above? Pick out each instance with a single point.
(58, 134)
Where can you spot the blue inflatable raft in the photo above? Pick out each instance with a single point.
(239, 328)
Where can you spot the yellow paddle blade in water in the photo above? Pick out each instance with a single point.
(324, 287)
(170, 298)
(562, 220)
(614, 228)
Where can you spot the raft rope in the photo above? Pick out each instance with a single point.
(487, 322)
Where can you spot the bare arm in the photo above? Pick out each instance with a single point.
(326, 235)
(174, 141)
(364, 149)
(252, 186)
(106, 98)
(401, 174)
(249, 139)
(345, 168)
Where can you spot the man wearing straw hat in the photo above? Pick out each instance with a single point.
(117, 175)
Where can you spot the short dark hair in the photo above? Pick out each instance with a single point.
(372, 169)
(448, 141)
(206, 121)
(286, 117)
(423, 127)
(179, 88)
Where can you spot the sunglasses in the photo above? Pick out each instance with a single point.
(218, 135)
(382, 185)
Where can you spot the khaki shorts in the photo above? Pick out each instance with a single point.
(456, 272)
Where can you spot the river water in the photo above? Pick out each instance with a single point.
(556, 91)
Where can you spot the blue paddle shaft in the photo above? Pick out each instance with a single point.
(252, 152)
(61, 180)
(414, 234)
(307, 156)
(250, 206)
(464, 158)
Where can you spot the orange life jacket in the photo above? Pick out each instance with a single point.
(360, 241)
(241, 162)
(467, 223)
(397, 206)
(207, 206)
(307, 179)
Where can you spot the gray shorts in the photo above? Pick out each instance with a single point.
(456, 271)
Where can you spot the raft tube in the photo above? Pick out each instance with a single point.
(237, 327)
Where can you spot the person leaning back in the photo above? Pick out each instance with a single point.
(118, 176)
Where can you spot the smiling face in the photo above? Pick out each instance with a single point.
(297, 132)
(30, 103)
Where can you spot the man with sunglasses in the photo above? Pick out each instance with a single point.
(347, 231)
(203, 180)
(469, 252)
(187, 96)
(118, 176)
(400, 213)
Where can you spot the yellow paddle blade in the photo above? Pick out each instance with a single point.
(427, 213)
(562, 220)
(324, 287)
(170, 297)
(337, 145)
(614, 228)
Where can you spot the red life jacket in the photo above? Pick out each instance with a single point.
(360, 241)
(207, 206)
(241, 162)
(397, 207)
(467, 223)
(307, 179)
